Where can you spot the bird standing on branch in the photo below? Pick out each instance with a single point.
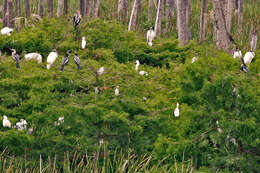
(16, 58)
(65, 60)
(76, 19)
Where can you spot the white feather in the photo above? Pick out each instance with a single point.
(6, 122)
(6, 31)
(177, 111)
(143, 73)
(249, 57)
(237, 54)
(101, 71)
(117, 91)
(51, 59)
(83, 43)
(35, 56)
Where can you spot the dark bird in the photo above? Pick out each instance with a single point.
(76, 60)
(243, 67)
(76, 19)
(65, 60)
(16, 58)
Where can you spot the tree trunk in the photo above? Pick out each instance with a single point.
(170, 13)
(230, 6)
(122, 10)
(188, 13)
(5, 17)
(181, 21)
(59, 8)
(253, 38)
(139, 11)
(202, 19)
(82, 7)
(132, 22)
(41, 8)
(96, 7)
(50, 8)
(240, 15)
(158, 20)
(150, 11)
(88, 9)
(223, 40)
(10, 22)
(66, 6)
(27, 8)
(18, 8)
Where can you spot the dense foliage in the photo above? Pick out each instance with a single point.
(208, 90)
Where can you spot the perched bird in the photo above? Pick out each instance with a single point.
(249, 57)
(218, 127)
(137, 63)
(6, 122)
(21, 125)
(76, 19)
(35, 56)
(16, 58)
(51, 58)
(7, 31)
(237, 54)
(60, 121)
(150, 36)
(100, 71)
(117, 91)
(143, 73)
(195, 58)
(177, 111)
(65, 60)
(77, 60)
(83, 43)
(243, 67)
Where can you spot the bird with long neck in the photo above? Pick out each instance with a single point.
(16, 58)
(65, 60)
(77, 60)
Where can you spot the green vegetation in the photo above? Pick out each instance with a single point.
(208, 90)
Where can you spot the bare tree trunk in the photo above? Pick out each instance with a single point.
(139, 12)
(27, 8)
(96, 7)
(82, 7)
(202, 19)
(188, 13)
(132, 22)
(59, 8)
(150, 11)
(50, 8)
(253, 38)
(41, 8)
(122, 10)
(223, 40)
(18, 8)
(230, 6)
(10, 22)
(158, 20)
(181, 21)
(88, 9)
(5, 17)
(240, 15)
(66, 6)
(170, 12)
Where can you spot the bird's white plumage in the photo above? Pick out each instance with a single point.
(143, 73)
(100, 70)
(249, 57)
(6, 122)
(83, 43)
(237, 54)
(6, 31)
(34, 56)
(218, 127)
(21, 125)
(137, 64)
(194, 59)
(150, 37)
(117, 91)
(177, 111)
(51, 59)
(60, 121)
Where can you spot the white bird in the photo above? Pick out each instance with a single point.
(83, 43)
(21, 125)
(137, 64)
(51, 58)
(100, 71)
(6, 122)
(35, 56)
(237, 54)
(218, 127)
(177, 111)
(60, 121)
(143, 73)
(117, 91)
(101, 141)
(6, 31)
(249, 57)
(150, 36)
(194, 59)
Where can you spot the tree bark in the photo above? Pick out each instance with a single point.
(181, 21)
(202, 19)
(59, 8)
(82, 7)
(158, 20)
(41, 8)
(96, 7)
(122, 10)
(139, 11)
(253, 38)
(27, 8)
(66, 6)
(223, 40)
(5, 17)
(240, 15)
(188, 13)
(18, 8)
(10, 22)
(132, 22)
(230, 6)
(50, 8)
(88, 9)
(150, 11)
